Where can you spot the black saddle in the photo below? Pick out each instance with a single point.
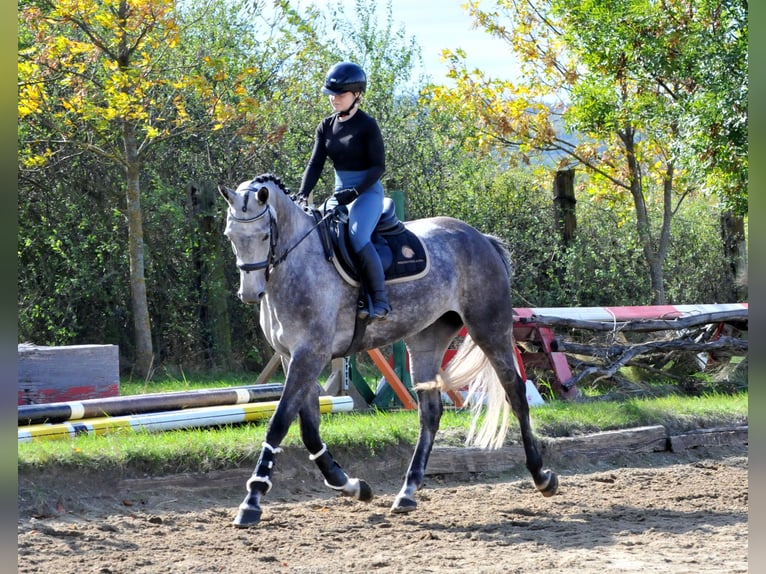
(402, 253)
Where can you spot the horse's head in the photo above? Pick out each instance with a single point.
(250, 226)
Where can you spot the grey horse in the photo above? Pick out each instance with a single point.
(308, 314)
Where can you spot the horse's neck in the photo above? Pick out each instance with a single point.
(292, 221)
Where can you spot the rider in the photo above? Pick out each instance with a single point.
(352, 140)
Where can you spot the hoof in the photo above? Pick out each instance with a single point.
(354, 488)
(247, 517)
(365, 492)
(550, 485)
(403, 505)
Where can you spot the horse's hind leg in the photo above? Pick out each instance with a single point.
(426, 351)
(334, 476)
(546, 481)
(430, 411)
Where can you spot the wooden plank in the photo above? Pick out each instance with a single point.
(709, 437)
(635, 440)
(275, 362)
(446, 460)
(67, 373)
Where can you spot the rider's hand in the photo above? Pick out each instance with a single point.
(303, 199)
(346, 196)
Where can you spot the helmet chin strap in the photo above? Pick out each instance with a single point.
(347, 112)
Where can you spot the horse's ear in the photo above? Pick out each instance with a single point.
(263, 194)
(226, 193)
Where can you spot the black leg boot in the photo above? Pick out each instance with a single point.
(371, 272)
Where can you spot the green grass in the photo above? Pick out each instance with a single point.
(171, 384)
(227, 447)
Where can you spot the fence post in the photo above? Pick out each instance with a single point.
(564, 204)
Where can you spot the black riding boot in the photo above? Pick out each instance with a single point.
(371, 272)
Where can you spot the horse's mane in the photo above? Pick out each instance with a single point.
(269, 177)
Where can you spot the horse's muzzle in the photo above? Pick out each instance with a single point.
(250, 297)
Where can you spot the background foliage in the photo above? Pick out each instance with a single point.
(267, 67)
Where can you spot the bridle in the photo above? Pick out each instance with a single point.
(273, 235)
(272, 260)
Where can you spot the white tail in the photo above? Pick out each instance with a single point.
(471, 367)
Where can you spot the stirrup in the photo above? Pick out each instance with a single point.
(380, 311)
(364, 311)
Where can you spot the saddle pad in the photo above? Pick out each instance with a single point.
(408, 258)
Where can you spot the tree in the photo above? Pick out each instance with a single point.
(105, 78)
(618, 88)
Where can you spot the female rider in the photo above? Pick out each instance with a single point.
(352, 140)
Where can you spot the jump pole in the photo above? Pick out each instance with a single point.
(153, 402)
(172, 420)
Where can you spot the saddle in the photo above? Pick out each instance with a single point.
(402, 253)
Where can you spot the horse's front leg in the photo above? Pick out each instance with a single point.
(335, 477)
(300, 381)
(430, 411)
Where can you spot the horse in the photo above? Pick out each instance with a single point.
(308, 315)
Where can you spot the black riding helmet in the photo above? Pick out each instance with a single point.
(344, 77)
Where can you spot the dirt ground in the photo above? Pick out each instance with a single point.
(660, 512)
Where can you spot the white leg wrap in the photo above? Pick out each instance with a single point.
(275, 450)
(313, 457)
(262, 479)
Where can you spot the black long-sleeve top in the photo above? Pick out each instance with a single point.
(352, 145)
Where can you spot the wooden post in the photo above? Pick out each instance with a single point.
(275, 362)
(734, 248)
(339, 383)
(564, 204)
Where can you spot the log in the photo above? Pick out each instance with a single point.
(627, 352)
(451, 459)
(709, 437)
(731, 344)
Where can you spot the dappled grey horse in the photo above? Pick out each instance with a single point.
(308, 315)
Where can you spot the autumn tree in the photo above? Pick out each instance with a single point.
(648, 97)
(114, 79)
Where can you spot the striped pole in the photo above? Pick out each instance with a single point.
(627, 313)
(171, 420)
(153, 402)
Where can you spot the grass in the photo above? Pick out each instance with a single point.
(226, 447)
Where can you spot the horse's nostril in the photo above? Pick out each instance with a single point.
(250, 298)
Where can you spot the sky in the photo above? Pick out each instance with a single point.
(443, 24)
(440, 24)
